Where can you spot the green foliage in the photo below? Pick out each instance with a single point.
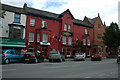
(112, 36)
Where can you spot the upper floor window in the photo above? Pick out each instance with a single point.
(84, 41)
(99, 37)
(38, 37)
(65, 27)
(44, 24)
(88, 42)
(86, 31)
(32, 22)
(69, 40)
(31, 37)
(99, 26)
(64, 39)
(44, 37)
(17, 18)
(69, 28)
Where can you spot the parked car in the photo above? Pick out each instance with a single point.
(33, 57)
(79, 56)
(55, 55)
(11, 55)
(118, 59)
(96, 57)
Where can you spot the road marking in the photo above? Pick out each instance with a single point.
(9, 70)
(88, 77)
(55, 67)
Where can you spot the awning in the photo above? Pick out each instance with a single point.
(45, 43)
(11, 42)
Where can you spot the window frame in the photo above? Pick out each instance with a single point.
(32, 22)
(64, 39)
(38, 37)
(69, 28)
(17, 17)
(69, 40)
(31, 36)
(65, 27)
(44, 36)
(43, 24)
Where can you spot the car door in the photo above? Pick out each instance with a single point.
(18, 55)
(12, 55)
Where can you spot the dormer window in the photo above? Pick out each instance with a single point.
(65, 27)
(69, 28)
(86, 32)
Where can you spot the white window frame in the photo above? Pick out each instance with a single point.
(86, 31)
(84, 41)
(88, 41)
(44, 37)
(38, 37)
(32, 22)
(64, 39)
(44, 24)
(31, 37)
(69, 27)
(69, 40)
(65, 27)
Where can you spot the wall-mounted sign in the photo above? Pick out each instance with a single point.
(67, 33)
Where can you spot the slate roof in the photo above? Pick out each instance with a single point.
(82, 23)
(28, 10)
(12, 9)
(40, 12)
(61, 15)
(92, 21)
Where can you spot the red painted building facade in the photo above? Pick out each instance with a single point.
(46, 31)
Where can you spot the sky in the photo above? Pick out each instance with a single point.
(108, 9)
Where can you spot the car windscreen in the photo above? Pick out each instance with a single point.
(53, 52)
(79, 53)
(29, 53)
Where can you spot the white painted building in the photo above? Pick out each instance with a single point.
(14, 19)
(13, 26)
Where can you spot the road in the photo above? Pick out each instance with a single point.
(107, 68)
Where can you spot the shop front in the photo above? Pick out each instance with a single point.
(12, 43)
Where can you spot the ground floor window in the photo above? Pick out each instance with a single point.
(68, 51)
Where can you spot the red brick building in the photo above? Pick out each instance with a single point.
(98, 33)
(46, 30)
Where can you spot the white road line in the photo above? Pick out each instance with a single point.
(9, 70)
(88, 77)
(55, 67)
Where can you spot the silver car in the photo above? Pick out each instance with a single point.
(79, 56)
(55, 55)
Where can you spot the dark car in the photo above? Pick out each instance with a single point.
(96, 57)
(10, 55)
(118, 58)
(33, 57)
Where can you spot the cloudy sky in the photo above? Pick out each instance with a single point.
(108, 9)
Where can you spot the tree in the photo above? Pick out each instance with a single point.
(112, 37)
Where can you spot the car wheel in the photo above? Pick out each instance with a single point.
(50, 60)
(7, 61)
(117, 62)
(43, 60)
(63, 59)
